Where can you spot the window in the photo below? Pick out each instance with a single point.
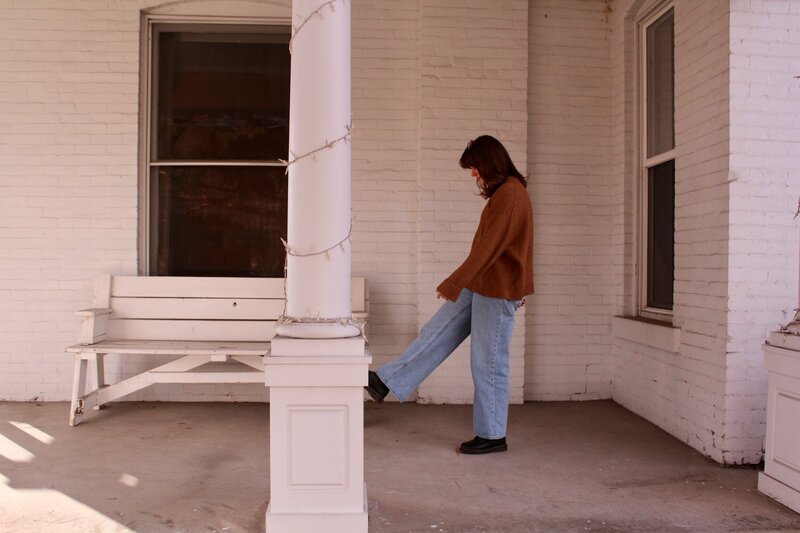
(218, 120)
(657, 270)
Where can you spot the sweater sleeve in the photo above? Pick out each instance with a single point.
(491, 239)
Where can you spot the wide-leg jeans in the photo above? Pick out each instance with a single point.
(490, 321)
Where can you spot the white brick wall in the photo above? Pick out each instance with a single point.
(385, 168)
(473, 81)
(68, 184)
(681, 392)
(623, 192)
(569, 141)
(764, 189)
(701, 195)
(736, 259)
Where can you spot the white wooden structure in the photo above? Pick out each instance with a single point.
(208, 322)
(317, 365)
(781, 476)
(319, 203)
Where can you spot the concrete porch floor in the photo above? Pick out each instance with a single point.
(570, 467)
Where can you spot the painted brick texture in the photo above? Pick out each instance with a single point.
(735, 241)
(68, 183)
(569, 154)
(701, 195)
(473, 81)
(385, 105)
(681, 392)
(764, 184)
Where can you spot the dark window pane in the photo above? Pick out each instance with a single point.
(218, 221)
(223, 96)
(661, 235)
(660, 85)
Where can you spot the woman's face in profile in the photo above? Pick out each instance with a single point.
(476, 175)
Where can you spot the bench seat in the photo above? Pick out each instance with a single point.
(157, 347)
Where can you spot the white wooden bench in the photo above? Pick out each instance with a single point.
(208, 322)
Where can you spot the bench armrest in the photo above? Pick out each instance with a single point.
(94, 324)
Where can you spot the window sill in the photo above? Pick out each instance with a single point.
(647, 332)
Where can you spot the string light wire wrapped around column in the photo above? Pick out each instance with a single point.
(319, 12)
(346, 137)
(284, 318)
(328, 144)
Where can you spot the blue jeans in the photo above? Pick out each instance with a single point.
(491, 323)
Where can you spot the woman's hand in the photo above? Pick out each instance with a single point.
(440, 296)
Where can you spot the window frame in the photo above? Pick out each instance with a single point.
(645, 163)
(150, 24)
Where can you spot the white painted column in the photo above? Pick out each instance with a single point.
(318, 286)
(317, 365)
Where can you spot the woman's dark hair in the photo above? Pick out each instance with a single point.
(490, 158)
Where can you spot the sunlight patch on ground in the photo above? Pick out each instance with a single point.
(36, 433)
(129, 480)
(49, 511)
(13, 451)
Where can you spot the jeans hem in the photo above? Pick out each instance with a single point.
(401, 398)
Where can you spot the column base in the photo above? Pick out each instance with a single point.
(316, 522)
(316, 440)
(312, 330)
(788, 496)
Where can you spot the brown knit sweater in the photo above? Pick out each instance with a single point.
(500, 262)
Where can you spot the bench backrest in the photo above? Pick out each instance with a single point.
(195, 308)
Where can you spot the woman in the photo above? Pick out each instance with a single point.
(481, 298)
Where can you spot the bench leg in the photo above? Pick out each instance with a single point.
(78, 389)
(100, 375)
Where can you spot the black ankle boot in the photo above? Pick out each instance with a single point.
(376, 388)
(479, 445)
